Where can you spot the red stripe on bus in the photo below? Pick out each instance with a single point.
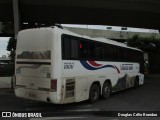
(93, 63)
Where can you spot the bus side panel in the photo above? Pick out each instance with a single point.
(82, 89)
(121, 75)
(84, 78)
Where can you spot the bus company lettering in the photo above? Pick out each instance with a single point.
(68, 65)
(126, 67)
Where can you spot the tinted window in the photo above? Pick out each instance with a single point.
(69, 48)
(66, 48)
(115, 53)
(108, 52)
(74, 48)
(83, 49)
(91, 50)
(99, 51)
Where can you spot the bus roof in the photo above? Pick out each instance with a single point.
(99, 39)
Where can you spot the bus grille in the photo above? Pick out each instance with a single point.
(70, 88)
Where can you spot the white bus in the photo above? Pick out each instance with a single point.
(58, 66)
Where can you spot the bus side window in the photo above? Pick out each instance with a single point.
(126, 55)
(91, 50)
(83, 49)
(108, 52)
(99, 51)
(115, 53)
(66, 50)
(122, 54)
(74, 48)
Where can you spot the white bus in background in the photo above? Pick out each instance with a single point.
(58, 66)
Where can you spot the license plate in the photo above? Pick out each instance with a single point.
(31, 95)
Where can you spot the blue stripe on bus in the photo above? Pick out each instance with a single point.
(89, 67)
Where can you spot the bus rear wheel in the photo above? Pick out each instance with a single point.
(94, 93)
(106, 90)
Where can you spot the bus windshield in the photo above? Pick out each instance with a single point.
(34, 44)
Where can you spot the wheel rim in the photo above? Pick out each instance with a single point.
(106, 90)
(95, 93)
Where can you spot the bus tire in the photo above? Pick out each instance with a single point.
(94, 93)
(106, 90)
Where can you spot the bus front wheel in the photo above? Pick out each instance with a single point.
(94, 93)
(106, 90)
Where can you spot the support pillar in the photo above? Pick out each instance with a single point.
(16, 14)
